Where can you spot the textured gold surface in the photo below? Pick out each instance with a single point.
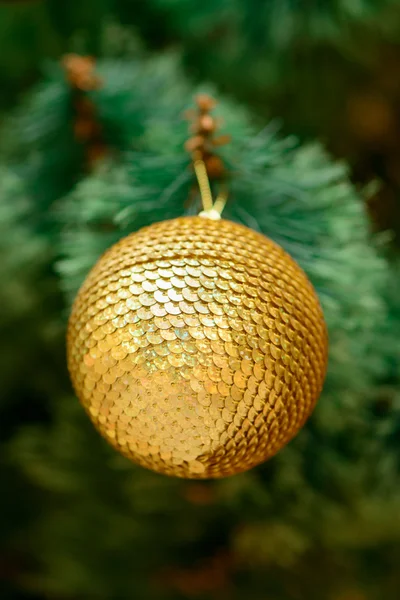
(197, 347)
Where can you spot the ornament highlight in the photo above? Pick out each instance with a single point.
(198, 347)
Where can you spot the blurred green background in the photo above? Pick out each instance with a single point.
(309, 91)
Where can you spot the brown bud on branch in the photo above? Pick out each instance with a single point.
(81, 76)
(202, 144)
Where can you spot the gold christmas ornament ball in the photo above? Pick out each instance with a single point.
(197, 347)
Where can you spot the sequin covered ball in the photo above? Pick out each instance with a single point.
(197, 347)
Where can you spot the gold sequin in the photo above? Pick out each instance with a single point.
(198, 347)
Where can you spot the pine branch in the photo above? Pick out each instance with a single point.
(38, 141)
(296, 195)
(303, 200)
(343, 463)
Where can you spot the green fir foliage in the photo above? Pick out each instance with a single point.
(38, 140)
(328, 489)
(80, 522)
